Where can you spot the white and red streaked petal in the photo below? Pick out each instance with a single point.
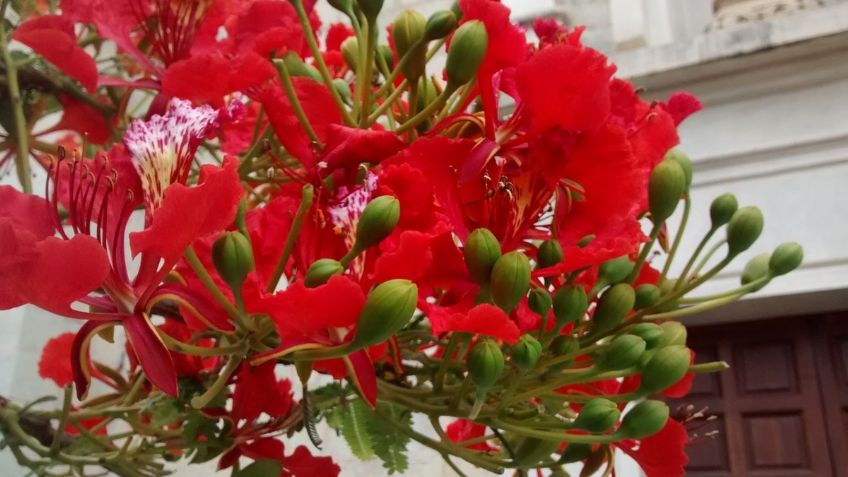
(163, 147)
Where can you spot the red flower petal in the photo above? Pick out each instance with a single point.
(302, 311)
(681, 105)
(566, 86)
(361, 371)
(336, 35)
(258, 390)
(349, 147)
(507, 43)
(483, 319)
(61, 272)
(55, 362)
(190, 78)
(153, 356)
(82, 118)
(410, 259)
(267, 26)
(52, 37)
(463, 430)
(319, 107)
(187, 213)
(27, 212)
(303, 464)
(663, 454)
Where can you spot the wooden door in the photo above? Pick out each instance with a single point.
(768, 406)
(831, 344)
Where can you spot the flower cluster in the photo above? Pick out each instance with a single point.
(238, 190)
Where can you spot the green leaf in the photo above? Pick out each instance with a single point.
(389, 443)
(354, 427)
(261, 468)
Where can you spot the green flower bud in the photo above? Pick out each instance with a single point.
(481, 251)
(233, 258)
(756, 268)
(570, 304)
(646, 295)
(540, 301)
(426, 93)
(667, 288)
(387, 309)
(456, 10)
(743, 230)
(652, 333)
(674, 334)
(615, 270)
(722, 209)
(613, 307)
(575, 452)
(388, 56)
(563, 345)
(510, 280)
(341, 5)
(296, 67)
(685, 163)
(370, 8)
(666, 185)
(644, 420)
(621, 353)
(440, 25)
(666, 367)
(408, 34)
(597, 415)
(550, 253)
(785, 258)
(466, 52)
(485, 363)
(321, 270)
(526, 352)
(378, 220)
(350, 52)
(342, 88)
(531, 451)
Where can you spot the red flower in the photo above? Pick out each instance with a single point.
(462, 430)
(258, 390)
(53, 272)
(55, 363)
(662, 454)
(52, 37)
(483, 319)
(320, 317)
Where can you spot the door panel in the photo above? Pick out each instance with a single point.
(768, 419)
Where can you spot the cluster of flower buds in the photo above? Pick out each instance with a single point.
(325, 200)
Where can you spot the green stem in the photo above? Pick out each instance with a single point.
(386, 104)
(319, 60)
(703, 243)
(646, 249)
(425, 113)
(294, 232)
(297, 108)
(590, 374)
(370, 46)
(185, 348)
(552, 436)
(199, 402)
(442, 448)
(707, 257)
(63, 419)
(747, 288)
(687, 205)
(201, 272)
(21, 132)
(711, 367)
